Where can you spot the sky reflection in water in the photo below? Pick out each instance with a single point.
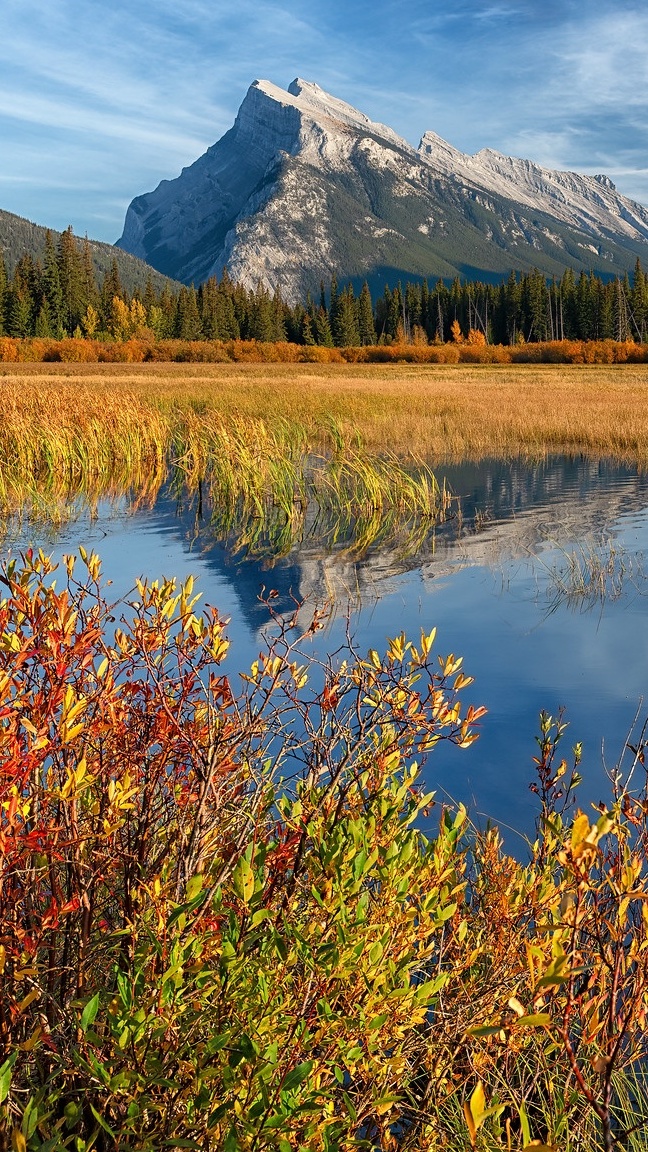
(494, 580)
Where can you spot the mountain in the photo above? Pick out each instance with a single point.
(303, 186)
(19, 236)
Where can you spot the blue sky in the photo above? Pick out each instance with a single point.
(100, 101)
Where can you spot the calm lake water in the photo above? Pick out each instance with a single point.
(500, 580)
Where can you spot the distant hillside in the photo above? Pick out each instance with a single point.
(19, 236)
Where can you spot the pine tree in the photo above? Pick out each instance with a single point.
(90, 290)
(366, 326)
(323, 333)
(639, 302)
(19, 310)
(3, 292)
(307, 335)
(188, 322)
(149, 300)
(72, 277)
(621, 319)
(110, 288)
(344, 324)
(278, 317)
(261, 323)
(44, 327)
(52, 288)
(512, 308)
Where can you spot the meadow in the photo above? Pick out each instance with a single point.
(435, 412)
(221, 924)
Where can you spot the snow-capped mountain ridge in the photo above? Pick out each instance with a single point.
(304, 186)
(581, 201)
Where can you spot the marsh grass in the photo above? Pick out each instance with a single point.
(359, 445)
(591, 573)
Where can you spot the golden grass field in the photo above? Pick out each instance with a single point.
(436, 412)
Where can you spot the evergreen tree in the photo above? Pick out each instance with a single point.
(366, 326)
(52, 288)
(438, 325)
(44, 326)
(19, 311)
(90, 291)
(149, 300)
(323, 333)
(3, 292)
(512, 308)
(334, 305)
(110, 288)
(344, 324)
(639, 302)
(307, 335)
(621, 317)
(278, 317)
(262, 320)
(188, 322)
(72, 276)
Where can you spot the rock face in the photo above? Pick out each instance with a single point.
(303, 186)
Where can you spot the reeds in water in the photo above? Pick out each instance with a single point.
(65, 447)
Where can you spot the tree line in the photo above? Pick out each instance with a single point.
(60, 296)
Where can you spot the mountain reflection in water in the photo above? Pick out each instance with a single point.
(487, 576)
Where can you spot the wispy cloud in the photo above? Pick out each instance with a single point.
(99, 102)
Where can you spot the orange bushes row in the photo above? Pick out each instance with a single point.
(255, 352)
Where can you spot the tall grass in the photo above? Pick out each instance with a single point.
(265, 474)
(358, 445)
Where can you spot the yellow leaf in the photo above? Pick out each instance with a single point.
(478, 1104)
(32, 1042)
(470, 1123)
(514, 1003)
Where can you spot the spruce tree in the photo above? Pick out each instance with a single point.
(52, 288)
(90, 290)
(72, 275)
(110, 288)
(307, 335)
(366, 326)
(323, 333)
(344, 325)
(3, 292)
(188, 323)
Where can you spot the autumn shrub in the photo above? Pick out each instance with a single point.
(319, 354)
(223, 927)
(469, 350)
(190, 946)
(8, 348)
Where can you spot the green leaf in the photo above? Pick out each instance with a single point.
(533, 1021)
(194, 887)
(89, 1013)
(297, 1076)
(217, 1114)
(100, 1120)
(243, 880)
(5, 1076)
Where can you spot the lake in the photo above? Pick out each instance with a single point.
(537, 577)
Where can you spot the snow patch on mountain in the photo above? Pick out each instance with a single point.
(581, 201)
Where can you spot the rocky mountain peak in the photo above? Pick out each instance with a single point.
(304, 186)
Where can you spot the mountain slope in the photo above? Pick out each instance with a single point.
(303, 186)
(19, 236)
